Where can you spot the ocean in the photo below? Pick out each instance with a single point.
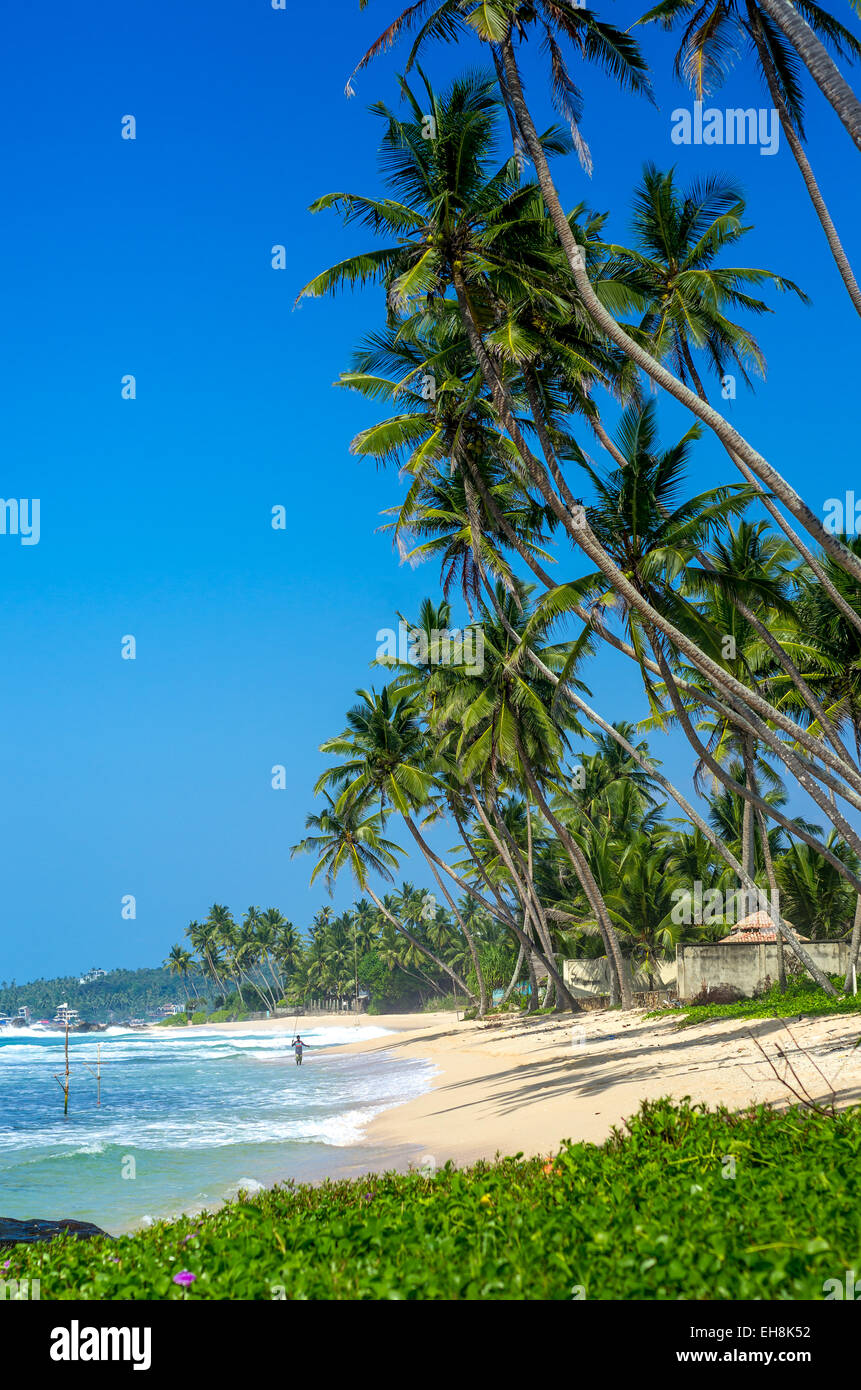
(188, 1118)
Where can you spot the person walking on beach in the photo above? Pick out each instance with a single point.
(298, 1048)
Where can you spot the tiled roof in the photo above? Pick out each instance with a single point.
(758, 927)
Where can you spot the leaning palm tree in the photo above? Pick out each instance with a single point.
(674, 268)
(503, 724)
(503, 24)
(715, 33)
(592, 39)
(795, 23)
(351, 836)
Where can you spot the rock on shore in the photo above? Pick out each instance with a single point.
(14, 1232)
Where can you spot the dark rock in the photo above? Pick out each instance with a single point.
(14, 1232)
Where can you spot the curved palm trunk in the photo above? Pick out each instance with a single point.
(419, 946)
(514, 977)
(822, 68)
(841, 260)
(583, 536)
(473, 950)
(584, 873)
(853, 945)
(655, 369)
(751, 779)
(692, 814)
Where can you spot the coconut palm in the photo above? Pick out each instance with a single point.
(501, 24)
(348, 835)
(796, 22)
(674, 267)
(817, 899)
(179, 963)
(715, 34)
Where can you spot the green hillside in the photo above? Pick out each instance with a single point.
(123, 993)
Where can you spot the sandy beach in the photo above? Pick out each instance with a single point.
(519, 1085)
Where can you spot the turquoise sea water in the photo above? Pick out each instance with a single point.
(188, 1117)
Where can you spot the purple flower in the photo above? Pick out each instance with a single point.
(7, 1264)
(185, 1277)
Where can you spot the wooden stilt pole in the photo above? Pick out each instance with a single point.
(97, 1073)
(65, 1088)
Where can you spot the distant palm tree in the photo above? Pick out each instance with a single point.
(179, 962)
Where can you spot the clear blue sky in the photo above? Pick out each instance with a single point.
(152, 257)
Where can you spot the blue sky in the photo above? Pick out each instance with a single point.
(152, 257)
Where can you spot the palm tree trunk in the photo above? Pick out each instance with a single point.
(689, 363)
(853, 945)
(473, 950)
(841, 260)
(583, 536)
(751, 779)
(822, 68)
(581, 867)
(660, 374)
(426, 950)
(479, 898)
(514, 976)
(747, 813)
(533, 982)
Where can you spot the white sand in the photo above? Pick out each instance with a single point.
(505, 1086)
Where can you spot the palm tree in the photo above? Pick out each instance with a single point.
(816, 898)
(710, 43)
(498, 23)
(350, 836)
(679, 235)
(793, 21)
(204, 940)
(386, 756)
(445, 253)
(179, 962)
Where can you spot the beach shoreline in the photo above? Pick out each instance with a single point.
(516, 1084)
